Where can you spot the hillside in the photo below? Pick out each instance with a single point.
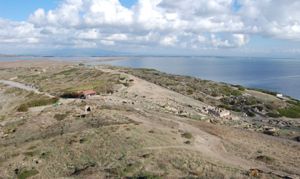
(141, 124)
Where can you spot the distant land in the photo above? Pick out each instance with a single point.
(280, 75)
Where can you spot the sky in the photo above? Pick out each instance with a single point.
(150, 27)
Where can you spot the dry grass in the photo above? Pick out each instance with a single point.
(119, 140)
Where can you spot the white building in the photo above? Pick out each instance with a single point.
(279, 95)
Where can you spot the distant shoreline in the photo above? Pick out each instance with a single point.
(66, 59)
(93, 61)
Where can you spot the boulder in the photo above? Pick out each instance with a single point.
(270, 131)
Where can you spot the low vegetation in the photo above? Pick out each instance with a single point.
(40, 101)
(68, 82)
(292, 111)
(186, 85)
(187, 135)
(2, 117)
(27, 174)
(230, 97)
(265, 91)
(265, 159)
(60, 117)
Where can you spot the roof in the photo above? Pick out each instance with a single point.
(88, 92)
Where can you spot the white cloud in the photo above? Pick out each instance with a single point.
(18, 32)
(229, 41)
(279, 19)
(169, 41)
(179, 24)
(90, 34)
(107, 42)
(240, 39)
(117, 37)
(98, 12)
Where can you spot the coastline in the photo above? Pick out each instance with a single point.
(123, 61)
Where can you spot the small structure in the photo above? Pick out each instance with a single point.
(87, 109)
(87, 93)
(270, 131)
(279, 95)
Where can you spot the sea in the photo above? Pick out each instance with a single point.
(281, 75)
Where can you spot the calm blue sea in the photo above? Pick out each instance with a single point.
(280, 75)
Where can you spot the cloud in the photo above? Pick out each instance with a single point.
(240, 39)
(229, 41)
(18, 32)
(278, 19)
(187, 24)
(169, 41)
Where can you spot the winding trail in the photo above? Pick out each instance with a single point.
(24, 87)
(20, 86)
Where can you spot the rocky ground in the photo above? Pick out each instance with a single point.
(135, 129)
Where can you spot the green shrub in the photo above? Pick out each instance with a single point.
(273, 114)
(236, 109)
(42, 102)
(265, 159)
(106, 88)
(30, 153)
(265, 91)
(250, 114)
(190, 91)
(187, 135)
(214, 94)
(122, 77)
(260, 108)
(236, 93)
(241, 88)
(229, 91)
(270, 106)
(251, 101)
(68, 72)
(27, 173)
(22, 108)
(69, 95)
(2, 118)
(200, 99)
(36, 103)
(225, 106)
(197, 117)
(60, 117)
(291, 112)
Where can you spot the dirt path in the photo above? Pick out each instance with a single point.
(24, 87)
(19, 85)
